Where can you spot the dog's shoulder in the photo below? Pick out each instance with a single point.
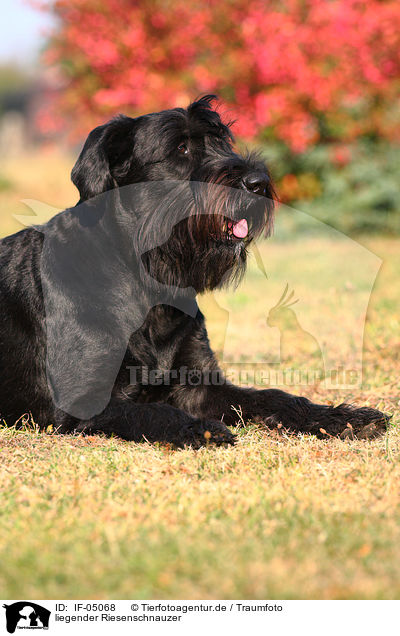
(20, 262)
(28, 238)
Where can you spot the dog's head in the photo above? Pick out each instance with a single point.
(231, 195)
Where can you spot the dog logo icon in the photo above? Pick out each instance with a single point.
(26, 615)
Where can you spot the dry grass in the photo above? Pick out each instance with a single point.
(271, 518)
(43, 177)
(274, 517)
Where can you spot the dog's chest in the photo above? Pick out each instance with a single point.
(157, 343)
(166, 331)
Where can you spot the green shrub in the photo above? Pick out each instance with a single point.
(354, 188)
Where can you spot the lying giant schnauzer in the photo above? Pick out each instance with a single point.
(98, 310)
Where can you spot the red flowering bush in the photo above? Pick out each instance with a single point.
(298, 71)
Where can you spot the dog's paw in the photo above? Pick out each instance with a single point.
(347, 422)
(199, 433)
(344, 421)
(363, 422)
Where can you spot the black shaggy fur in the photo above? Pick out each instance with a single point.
(186, 146)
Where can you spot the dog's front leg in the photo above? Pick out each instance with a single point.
(213, 396)
(150, 422)
(276, 409)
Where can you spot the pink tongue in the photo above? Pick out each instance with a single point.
(240, 229)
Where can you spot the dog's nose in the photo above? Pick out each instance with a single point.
(256, 182)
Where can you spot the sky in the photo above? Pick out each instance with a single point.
(21, 31)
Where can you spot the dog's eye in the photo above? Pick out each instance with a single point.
(183, 149)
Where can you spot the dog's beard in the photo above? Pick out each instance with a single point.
(208, 248)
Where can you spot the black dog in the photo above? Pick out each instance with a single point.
(98, 313)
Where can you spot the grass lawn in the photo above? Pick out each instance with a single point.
(275, 517)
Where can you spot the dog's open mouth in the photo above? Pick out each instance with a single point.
(238, 229)
(234, 230)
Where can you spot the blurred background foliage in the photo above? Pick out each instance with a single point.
(314, 84)
(355, 188)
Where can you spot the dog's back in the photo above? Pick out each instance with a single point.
(22, 328)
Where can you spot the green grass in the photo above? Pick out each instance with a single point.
(275, 517)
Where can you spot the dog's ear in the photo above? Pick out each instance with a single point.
(105, 157)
